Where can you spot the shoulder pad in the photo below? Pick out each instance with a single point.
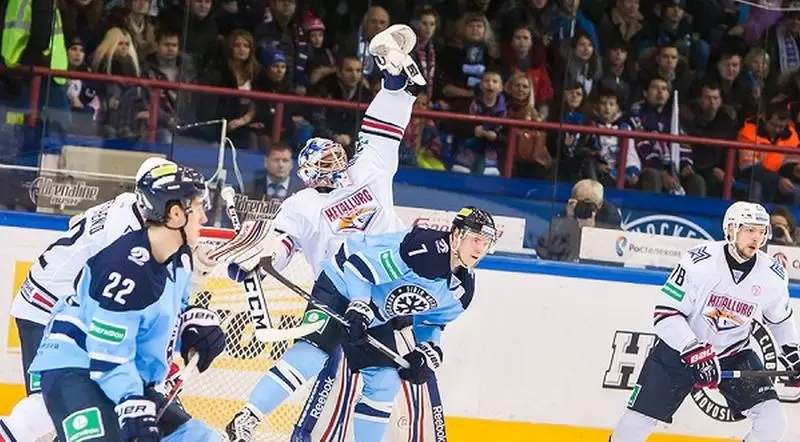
(426, 252)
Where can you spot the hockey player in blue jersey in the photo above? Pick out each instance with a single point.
(109, 345)
(419, 273)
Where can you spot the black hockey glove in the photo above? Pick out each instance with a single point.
(200, 331)
(137, 420)
(703, 359)
(358, 316)
(424, 361)
(790, 358)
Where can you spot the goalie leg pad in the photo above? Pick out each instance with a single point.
(633, 427)
(194, 431)
(372, 412)
(768, 420)
(27, 421)
(301, 362)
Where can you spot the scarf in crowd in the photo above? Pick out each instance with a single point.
(427, 61)
(789, 54)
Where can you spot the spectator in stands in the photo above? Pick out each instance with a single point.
(658, 171)
(321, 58)
(677, 28)
(770, 175)
(623, 25)
(134, 18)
(238, 72)
(348, 85)
(784, 226)
(533, 160)
(670, 66)
(421, 146)
(782, 44)
(168, 64)
(480, 153)
(124, 114)
(619, 73)
(82, 95)
(82, 19)
(571, 21)
(426, 24)
(276, 181)
(756, 71)
(561, 241)
(709, 117)
(201, 35)
(529, 56)
(578, 62)
(537, 15)
(282, 28)
(607, 149)
(375, 20)
(737, 89)
(465, 59)
(573, 157)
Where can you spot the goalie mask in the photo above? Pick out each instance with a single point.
(476, 236)
(743, 215)
(323, 163)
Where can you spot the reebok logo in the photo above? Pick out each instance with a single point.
(438, 423)
(323, 398)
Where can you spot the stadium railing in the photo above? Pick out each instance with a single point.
(38, 74)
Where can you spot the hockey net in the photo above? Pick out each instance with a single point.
(217, 394)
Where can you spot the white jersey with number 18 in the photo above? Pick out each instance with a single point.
(318, 223)
(53, 274)
(720, 303)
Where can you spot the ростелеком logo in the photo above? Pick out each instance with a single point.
(622, 242)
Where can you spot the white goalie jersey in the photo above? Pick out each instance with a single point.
(705, 299)
(318, 223)
(52, 275)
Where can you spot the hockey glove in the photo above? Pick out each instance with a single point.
(790, 358)
(703, 360)
(358, 316)
(200, 331)
(424, 361)
(137, 420)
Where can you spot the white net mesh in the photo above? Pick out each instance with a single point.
(216, 395)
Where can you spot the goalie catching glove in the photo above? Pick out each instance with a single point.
(201, 332)
(704, 361)
(424, 361)
(137, 420)
(790, 358)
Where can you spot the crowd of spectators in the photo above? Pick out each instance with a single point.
(606, 63)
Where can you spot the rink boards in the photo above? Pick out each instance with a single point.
(546, 352)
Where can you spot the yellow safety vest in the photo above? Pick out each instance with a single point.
(17, 30)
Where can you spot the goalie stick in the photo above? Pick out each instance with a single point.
(266, 264)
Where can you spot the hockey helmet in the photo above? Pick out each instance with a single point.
(323, 163)
(149, 164)
(471, 219)
(743, 213)
(164, 184)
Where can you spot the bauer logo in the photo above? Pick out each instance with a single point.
(45, 190)
(409, 299)
(668, 225)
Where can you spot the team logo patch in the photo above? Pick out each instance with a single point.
(357, 221)
(139, 256)
(409, 299)
(726, 313)
(698, 254)
(354, 213)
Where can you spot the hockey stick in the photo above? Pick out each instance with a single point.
(190, 368)
(266, 264)
(736, 374)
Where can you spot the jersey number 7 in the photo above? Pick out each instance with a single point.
(118, 288)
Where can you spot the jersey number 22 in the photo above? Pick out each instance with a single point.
(118, 288)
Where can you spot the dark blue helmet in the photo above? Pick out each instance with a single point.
(472, 219)
(168, 183)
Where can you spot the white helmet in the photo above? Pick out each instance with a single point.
(741, 213)
(150, 164)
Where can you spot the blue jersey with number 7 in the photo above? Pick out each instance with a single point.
(122, 323)
(403, 274)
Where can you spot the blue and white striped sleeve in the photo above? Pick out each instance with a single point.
(115, 313)
(371, 266)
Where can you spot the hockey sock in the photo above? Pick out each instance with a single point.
(633, 427)
(372, 412)
(768, 420)
(299, 364)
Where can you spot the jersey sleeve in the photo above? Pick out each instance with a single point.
(429, 326)
(674, 303)
(115, 303)
(779, 315)
(371, 266)
(381, 133)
